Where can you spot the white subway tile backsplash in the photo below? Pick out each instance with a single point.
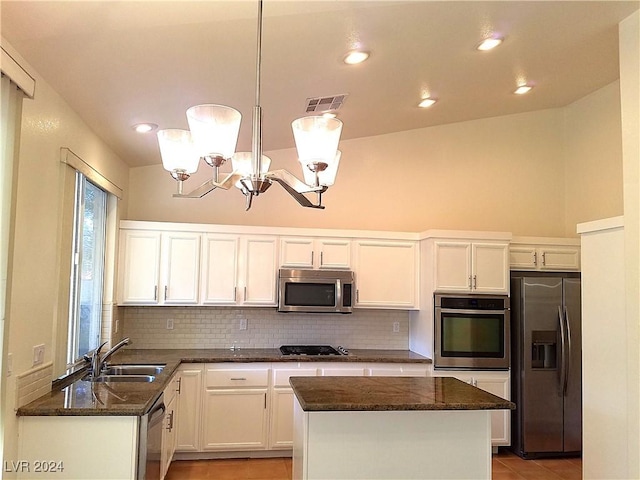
(219, 327)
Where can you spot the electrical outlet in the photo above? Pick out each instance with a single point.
(117, 326)
(38, 354)
(243, 324)
(169, 323)
(396, 327)
(9, 364)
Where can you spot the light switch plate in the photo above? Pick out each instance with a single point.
(38, 354)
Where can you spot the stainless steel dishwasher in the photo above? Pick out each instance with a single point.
(150, 442)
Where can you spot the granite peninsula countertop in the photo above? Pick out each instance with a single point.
(76, 397)
(324, 394)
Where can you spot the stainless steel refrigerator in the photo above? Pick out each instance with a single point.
(546, 364)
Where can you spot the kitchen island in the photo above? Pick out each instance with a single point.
(392, 427)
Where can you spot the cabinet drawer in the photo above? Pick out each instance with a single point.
(281, 375)
(235, 377)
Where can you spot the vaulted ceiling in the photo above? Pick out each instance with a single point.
(118, 63)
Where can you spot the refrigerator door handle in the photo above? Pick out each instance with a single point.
(568, 367)
(563, 352)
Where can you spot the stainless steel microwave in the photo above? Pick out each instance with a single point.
(315, 291)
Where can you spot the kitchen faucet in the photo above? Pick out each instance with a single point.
(97, 363)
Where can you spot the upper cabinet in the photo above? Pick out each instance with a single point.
(545, 254)
(159, 268)
(471, 266)
(386, 274)
(239, 270)
(258, 270)
(318, 253)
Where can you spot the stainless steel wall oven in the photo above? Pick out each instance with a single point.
(472, 332)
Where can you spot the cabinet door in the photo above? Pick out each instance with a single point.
(334, 253)
(296, 252)
(523, 257)
(490, 267)
(235, 419)
(497, 384)
(559, 258)
(139, 268)
(500, 419)
(181, 267)
(281, 418)
(386, 274)
(259, 270)
(168, 436)
(220, 269)
(452, 266)
(188, 419)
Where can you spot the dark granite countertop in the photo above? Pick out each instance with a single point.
(81, 397)
(322, 394)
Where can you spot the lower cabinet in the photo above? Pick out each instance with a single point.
(242, 407)
(169, 430)
(189, 407)
(235, 407)
(281, 424)
(497, 383)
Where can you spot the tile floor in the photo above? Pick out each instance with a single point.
(506, 466)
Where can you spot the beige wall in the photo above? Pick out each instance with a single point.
(513, 173)
(593, 158)
(39, 255)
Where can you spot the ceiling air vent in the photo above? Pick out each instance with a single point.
(325, 104)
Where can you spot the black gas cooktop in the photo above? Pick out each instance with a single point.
(312, 350)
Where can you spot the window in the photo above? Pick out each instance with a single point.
(87, 268)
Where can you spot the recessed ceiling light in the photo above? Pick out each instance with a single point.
(355, 56)
(145, 127)
(426, 102)
(522, 89)
(489, 43)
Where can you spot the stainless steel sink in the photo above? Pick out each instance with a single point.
(133, 369)
(122, 378)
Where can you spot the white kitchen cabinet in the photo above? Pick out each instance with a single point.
(397, 370)
(281, 419)
(159, 268)
(318, 253)
(258, 270)
(188, 420)
(169, 425)
(239, 270)
(342, 369)
(562, 256)
(497, 383)
(139, 267)
(220, 269)
(235, 407)
(386, 274)
(471, 267)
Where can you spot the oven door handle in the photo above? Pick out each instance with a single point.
(472, 312)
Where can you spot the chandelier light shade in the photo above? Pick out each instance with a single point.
(214, 129)
(325, 178)
(316, 139)
(242, 163)
(213, 135)
(178, 153)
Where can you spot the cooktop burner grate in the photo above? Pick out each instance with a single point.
(308, 350)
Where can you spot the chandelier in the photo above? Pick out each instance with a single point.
(212, 137)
